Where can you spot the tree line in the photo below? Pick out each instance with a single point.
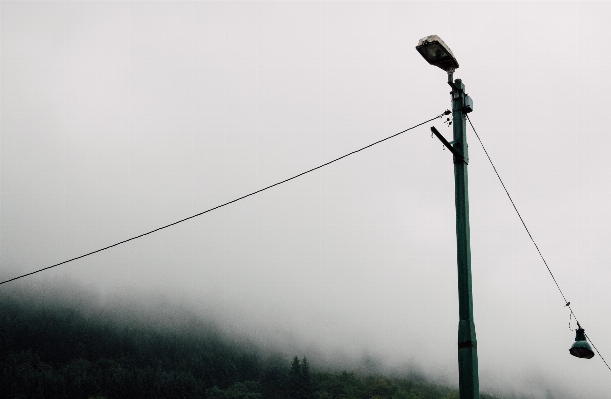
(62, 352)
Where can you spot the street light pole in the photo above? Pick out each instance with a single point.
(437, 53)
(468, 379)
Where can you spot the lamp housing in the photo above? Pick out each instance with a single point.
(581, 347)
(437, 53)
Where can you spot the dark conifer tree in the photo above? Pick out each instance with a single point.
(295, 379)
(307, 389)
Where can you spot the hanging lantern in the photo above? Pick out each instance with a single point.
(581, 347)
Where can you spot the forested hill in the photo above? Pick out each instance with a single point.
(60, 351)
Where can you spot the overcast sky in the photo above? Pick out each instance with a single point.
(120, 117)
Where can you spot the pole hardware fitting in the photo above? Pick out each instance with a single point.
(455, 89)
(467, 344)
(451, 81)
(467, 105)
(458, 158)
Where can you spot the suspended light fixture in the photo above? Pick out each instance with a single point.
(581, 347)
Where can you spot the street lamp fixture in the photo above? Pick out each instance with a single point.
(437, 53)
(581, 348)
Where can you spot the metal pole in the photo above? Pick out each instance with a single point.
(467, 343)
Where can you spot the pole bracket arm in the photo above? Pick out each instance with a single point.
(457, 155)
(451, 82)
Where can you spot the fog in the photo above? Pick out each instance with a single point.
(121, 117)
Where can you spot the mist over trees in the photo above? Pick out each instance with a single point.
(54, 350)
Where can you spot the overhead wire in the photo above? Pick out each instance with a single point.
(224, 204)
(596, 349)
(520, 216)
(566, 303)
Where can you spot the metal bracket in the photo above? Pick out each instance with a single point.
(453, 86)
(457, 155)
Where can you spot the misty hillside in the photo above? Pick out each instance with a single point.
(56, 350)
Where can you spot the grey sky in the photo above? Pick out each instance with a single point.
(119, 117)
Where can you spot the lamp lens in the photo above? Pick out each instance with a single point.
(582, 352)
(434, 52)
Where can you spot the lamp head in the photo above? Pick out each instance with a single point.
(437, 53)
(581, 348)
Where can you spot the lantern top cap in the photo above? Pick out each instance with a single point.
(436, 52)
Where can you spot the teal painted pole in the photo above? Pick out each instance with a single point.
(467, 344)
